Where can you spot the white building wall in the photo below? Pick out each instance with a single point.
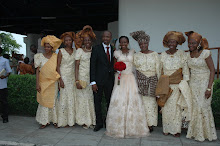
(113, 27)
(157, 17)
(29, 40)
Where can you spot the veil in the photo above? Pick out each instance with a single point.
(117, 45)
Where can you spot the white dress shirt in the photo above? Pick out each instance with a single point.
(4, 64)
(104, 46)
(109, 50)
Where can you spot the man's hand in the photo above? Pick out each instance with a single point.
(95, 88)
(2, 77)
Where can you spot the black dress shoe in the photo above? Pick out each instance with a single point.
(5, 120)
(97, 128)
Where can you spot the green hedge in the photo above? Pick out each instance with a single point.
(22, 96)
(216, 102)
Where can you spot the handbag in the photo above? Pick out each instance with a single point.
(163, 98)
(82, 83)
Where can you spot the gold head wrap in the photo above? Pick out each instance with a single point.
(70, 34)
(173, 35)
(52, 40)
(140, 36)
(202, 41)
(87, 31)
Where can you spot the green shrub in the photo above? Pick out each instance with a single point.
(216, 102)
(22, 94)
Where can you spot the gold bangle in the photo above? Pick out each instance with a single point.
(208, 89)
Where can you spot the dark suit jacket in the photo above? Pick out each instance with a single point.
(100, 68)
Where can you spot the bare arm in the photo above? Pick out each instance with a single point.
(211, 67)
(115, 60)
(59, 59)
(77, 62)
(37, 80)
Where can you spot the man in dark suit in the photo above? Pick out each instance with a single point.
(102, 75)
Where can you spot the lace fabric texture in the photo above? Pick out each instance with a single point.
(172, 112)
(149, 65)
(85, 110)
(202, 125)
(66, 103)
(126, 116)
(45, 115)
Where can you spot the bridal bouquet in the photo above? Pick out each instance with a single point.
(119, 66)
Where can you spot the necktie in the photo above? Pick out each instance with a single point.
(108, 55)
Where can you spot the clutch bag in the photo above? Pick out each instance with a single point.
(83, 83)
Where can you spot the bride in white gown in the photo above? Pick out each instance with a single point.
(126, 116)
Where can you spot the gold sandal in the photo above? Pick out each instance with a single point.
(43, 126)
(55, 125)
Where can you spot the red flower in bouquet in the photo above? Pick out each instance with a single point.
(119, 66)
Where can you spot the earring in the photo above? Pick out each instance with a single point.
(199, 46)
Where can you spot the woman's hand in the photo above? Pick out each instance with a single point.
(61, 83)
(38, 88)
(58, 86)
(207, 94)
(78, 86)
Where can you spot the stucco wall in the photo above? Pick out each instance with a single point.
(157, 17)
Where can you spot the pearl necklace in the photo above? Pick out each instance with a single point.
(88, 50)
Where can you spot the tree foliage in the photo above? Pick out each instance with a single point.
(8, 43)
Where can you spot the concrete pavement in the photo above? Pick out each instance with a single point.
(24, 131)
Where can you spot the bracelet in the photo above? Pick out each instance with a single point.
(208, 89)
(77, 81)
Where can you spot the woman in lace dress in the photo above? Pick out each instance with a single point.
(46, 81)
(172, 60)
(148, 70)
(65, 67)
(85, 112)
(126, 116)
(202, 71)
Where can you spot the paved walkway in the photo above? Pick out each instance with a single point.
(24, 131)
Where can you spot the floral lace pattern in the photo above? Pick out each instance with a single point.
(44, 115)
(149, 65)
(85, 110)
(126, 116)
(66, 102)
(171, 112)
(202, 125)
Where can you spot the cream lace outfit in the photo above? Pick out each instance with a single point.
(66, 101)
(149, 65)
(172, 112)
(126, 116)
(202, 125)
(45, 115)
(85, 110)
